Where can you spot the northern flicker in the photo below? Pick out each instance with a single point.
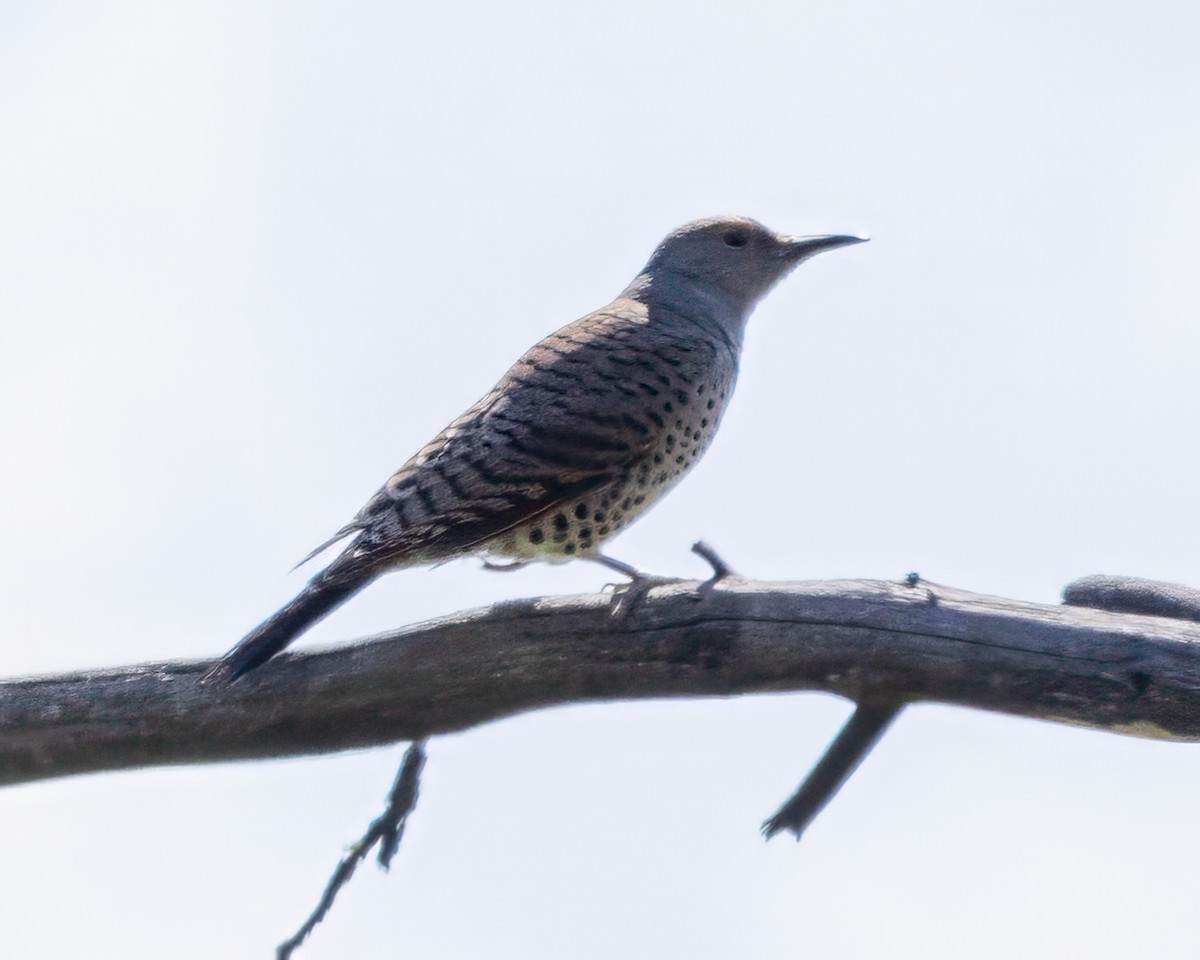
(581, 436)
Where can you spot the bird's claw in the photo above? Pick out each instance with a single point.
(627, 597)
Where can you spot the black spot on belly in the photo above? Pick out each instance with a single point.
(561, 522)
(569, 548)
(581, 511)
(536, 535)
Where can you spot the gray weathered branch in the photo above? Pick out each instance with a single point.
(867, 640)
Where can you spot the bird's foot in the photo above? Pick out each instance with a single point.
(627, 597)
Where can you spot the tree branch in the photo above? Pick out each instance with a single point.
(386, 831)
(862, 731)
(871, 641)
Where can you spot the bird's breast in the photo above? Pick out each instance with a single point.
(671, 412)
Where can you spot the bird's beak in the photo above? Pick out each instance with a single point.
(799, 249)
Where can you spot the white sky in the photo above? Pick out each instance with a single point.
(254, 255)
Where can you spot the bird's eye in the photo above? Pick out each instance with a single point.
(734, 238)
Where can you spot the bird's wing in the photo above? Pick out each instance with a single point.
(573, 414)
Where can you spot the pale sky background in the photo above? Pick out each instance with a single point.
(254, 255)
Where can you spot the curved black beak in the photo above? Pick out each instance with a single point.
(799, 249)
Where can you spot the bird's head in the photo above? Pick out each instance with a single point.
(735, 259)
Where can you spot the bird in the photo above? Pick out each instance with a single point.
(582, 435)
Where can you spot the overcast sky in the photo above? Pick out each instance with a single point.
(254, 255)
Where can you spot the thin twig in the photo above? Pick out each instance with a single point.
(720, 568)
(386, 830)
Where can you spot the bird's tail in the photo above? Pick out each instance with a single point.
(315, 601)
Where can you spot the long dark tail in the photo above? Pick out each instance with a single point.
(319, 598)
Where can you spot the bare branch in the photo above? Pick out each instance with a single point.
(862, 731)
(386, 830)
(871, 641)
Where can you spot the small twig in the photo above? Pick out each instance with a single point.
(401, 802)
(861, 732)
(720, 569)
(386, 830)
